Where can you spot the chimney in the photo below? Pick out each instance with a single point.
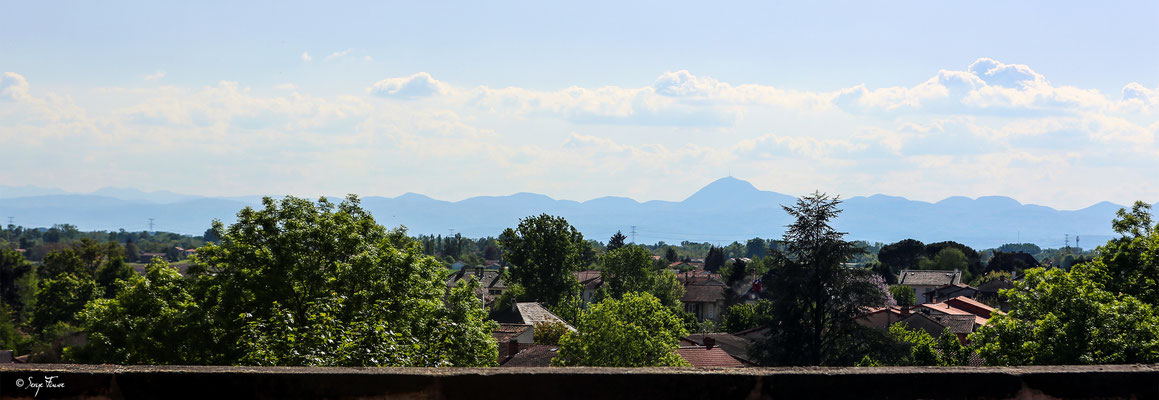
(709, 342)
(512, 348)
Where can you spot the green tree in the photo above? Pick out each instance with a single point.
(1060, 317)
(714, 260)
(1130, 264)
(543, 253)
(60, 298)
(298, 283)
(948, 259)
(756, 247)
(617, 241)
(814, 297)
(904, 254)
(13, 267)
(916, 347)
(131, 252)
(549, 332)
(904, 295)
(637, 331)
(743, 316)
(628, 269)
(152, 319)
(324, 284)
(670, 254)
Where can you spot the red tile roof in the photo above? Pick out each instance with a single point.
(703, 357)
(972, 306)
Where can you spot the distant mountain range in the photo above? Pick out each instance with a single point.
(726, 210)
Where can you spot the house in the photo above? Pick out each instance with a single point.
(703, 294)
(951, 291)
(528, 314)
(536, 355)
(924, 281)
(590, 281)
(491, 283)
(512, 338)
(935, 324)
(708, 356)
(883, 317)
(972, 306)
(148, 257)
(735, 346)
(988, 292)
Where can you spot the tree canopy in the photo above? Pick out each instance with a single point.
(297, 283)
(636, 331)
(814, 297)
(543, 253)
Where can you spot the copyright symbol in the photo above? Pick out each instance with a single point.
(19, 383)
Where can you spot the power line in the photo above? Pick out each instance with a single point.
(150, 224)
(633, 233)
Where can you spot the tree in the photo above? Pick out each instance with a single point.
(637, 331)
(549, 332)
(630, 269)
(301, 283)
(756, 247)
(543, 253)
(1130, 264)
(917, 347)
(13, 266)
(948, 259)
(902, 255)
(1060, 317)
(60, 298)
(490, 252)
(1011, 262)
(617, 241)
(973, 261)
(153, 319)
(743, 316)
(814, 297)
(903, 295)
(714, 260)
(670, 254)
(131, 251)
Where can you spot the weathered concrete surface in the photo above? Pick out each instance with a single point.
(180, 382)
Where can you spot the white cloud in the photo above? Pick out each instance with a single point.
(13, 87)
(1000, 122)
(411, 87)
(339, 54)
(306, 56)
(986, 87)
(154, 76)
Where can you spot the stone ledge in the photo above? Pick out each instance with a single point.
(117, 382)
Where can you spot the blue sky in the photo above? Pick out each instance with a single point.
(1052, 103)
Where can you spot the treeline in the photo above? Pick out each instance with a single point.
(37, 243)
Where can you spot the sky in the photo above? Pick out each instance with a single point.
(1049, 102)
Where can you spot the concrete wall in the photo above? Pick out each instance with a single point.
(155, 382)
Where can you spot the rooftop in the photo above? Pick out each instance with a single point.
(929, 277)
(703, 357)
